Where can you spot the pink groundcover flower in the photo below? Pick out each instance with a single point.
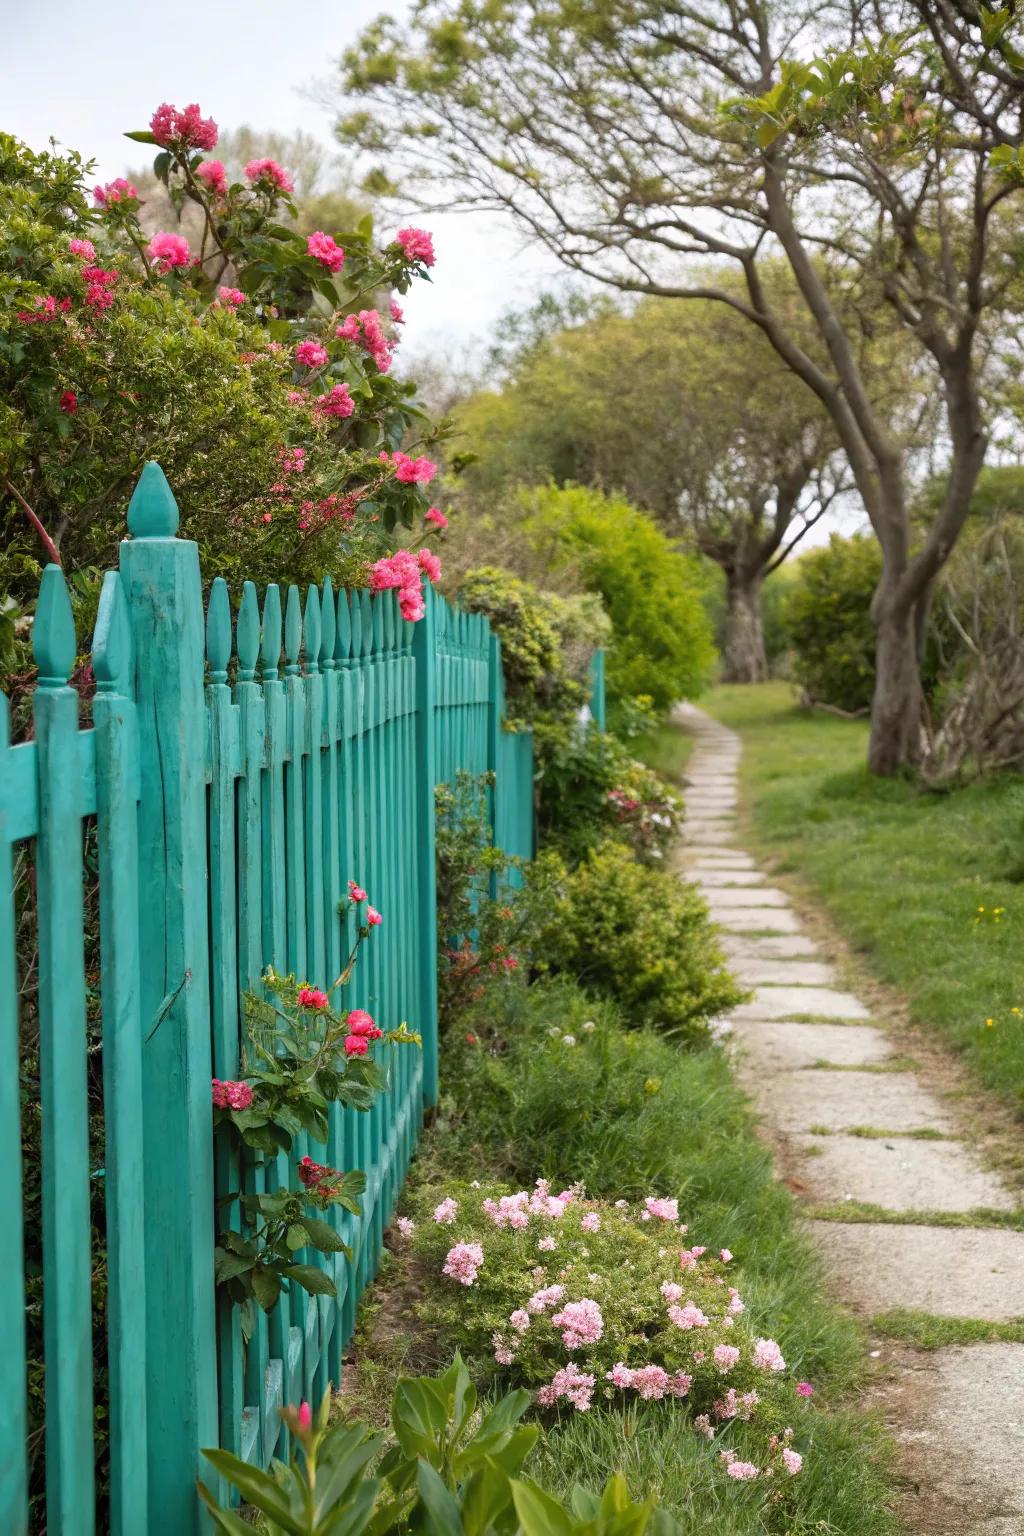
(576, 1386)
(663, 1210)
(581, 1323)
(446, 1212)
(324, 249)
(463, 1262)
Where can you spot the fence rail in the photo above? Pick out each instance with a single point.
(233, 780)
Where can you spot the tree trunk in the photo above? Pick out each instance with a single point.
(743, 654)
(897, 709)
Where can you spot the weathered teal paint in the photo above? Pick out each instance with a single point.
(240, 775)
(597, 690)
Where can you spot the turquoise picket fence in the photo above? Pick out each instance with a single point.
(240, 768)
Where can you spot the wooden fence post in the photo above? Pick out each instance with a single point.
(494, 711)
(424, 649)
(162, 585)
(597, 689)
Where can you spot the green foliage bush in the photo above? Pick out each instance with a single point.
(642, 936)
(827, 616)
(546, 641)
(662, 642)
(590, 788)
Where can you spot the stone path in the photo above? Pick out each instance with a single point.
(821, 1071)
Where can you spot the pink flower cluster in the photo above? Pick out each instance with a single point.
(367, 331)
(446, 1212)
(337, 402)
(311, 354)
(725, 1357)
(576, 1386)
(268, 175)
(114, 192)
(652, 1382)
(463, 1262)
(212, 172)
(231, 298)
(547, 1297)
(509, 1210)
(768, 1356)
(581, 1323)
(417, 245)
(410, 471)
(734, 1406)
(312, 997)
(231, 1095)
(355, 892)
(185, 129)
(44, 310)
(99, 286)
(324, 249)
(688, 1317)
(82, 248)
(663, 1210)
(402, 570)
(395, 311)
(169, 250)
(361, 1025)
(436, 516)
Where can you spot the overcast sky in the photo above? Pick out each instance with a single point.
(85, 74)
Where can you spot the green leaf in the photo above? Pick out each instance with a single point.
(224, 1519)
(257, 1488)
(441, 1512)
(227, 1265)
(311, 1279)
(296, 1237)
(141, 136)
(266, 1287)
(539, 1514)
(419, 1416)
(323, 1236)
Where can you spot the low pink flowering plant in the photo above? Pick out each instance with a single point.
(586, 1302)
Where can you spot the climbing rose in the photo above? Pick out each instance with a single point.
(69, 402)
(361, 1023)
(215, 176)
(430, 565)
(169, 250)
(312, 997)
(356, 1045)
(366, 330)
(232, 297)
(436, 516)
(411, 605)
(187, 128)
(311, 354)
(270, 172)
(115, 191)
(356, 892)
(337, 402)
(396, 312)
(325, 250)
(408, 470)
(417, 244)
(231, 1095)
(373, 917)
(82, 248)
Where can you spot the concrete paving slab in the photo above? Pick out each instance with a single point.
(901, 1175)
(715, 878)
(735, 896)
(891, 1101)
(753, 970)
(948, 1271)
(794, 945)
(713, 855)
(764, 921)
(783, 1047)
(781, 1002)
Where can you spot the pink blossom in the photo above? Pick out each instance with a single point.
(366, 329)
(735, 1304)
(215, 177)
(742, 1471)
(725, 1357)
(430, 565)
(44, 309)
(502, 1354)
(544, 1203)
(231, 1095)
(304, 1417)
(804, 1389)
(726, 1256)
(768, 1356)
(337, 402)
(417, 245)
(671, 1292)
(99, 283)
(520, 1320)
(82, 248)
(664, 1210)
(398, 570)
(187, 128)
(463, 1262)
(293, 461)
(231, 297)
(446, 1212)
(412, 471)
(395, 311)
(509, 1211)
(169, 250)
(312, 354)
(269, 174)
(297, 396)
(405, 1226)
(355, 892)
(687, 1317)
(436, 516)
(325, 250)
(359, 1022)
(620, 1375)
(571, 1383)
(547, 1245)
(591, 1222)
(549, 1296)
(356, 1045)
(116, 191)
(311, 997)
(373, 917)
(581, 1323)
(792, 1461)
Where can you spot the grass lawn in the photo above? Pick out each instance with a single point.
(914, 879)
(665, 748)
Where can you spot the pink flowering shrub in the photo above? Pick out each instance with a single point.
(589, 1303)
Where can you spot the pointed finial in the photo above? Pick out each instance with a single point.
(218, 631)
(112, 639)
(311, 629)
(53, 629)
(247, 633)
(270, 646)
(152, 511)
(292, 631)
(327, 625)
